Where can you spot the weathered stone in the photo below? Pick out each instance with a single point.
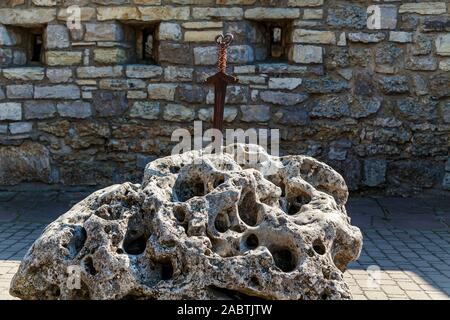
(400, 36)
(313, 36)
(347, 15)
(284, 83)
(234, 95)
(143, 71)
(175, 53)
(162, 91)
(374, 172)
(255, 113)
(218, 13)
(312, 14)
(29, 162)
(325, 85)
(39, 110)
(244, 69)
(420, 85)
(117, 13)
(19, 91)
(75, 109)
(365, 37)
(10, 111)
(164, 13)
(110, 55)
(109, 103)
(35, 73)
(86, 14)
(443, 45)
(8, 37)
(439, 85)
(283, 98)
(103, 32)
(170, 31)
(422, 173)
(330, 107)
(68, 91)
(436, 24)
(394, 84)
(423, 8)
(240, 54)
(229, 114)
(382, 17)
(414, 110)
(421, 64)
(145, 110)
(57, 37)
(422, 44)
(305, 3)
(388, 54)
(63, 58)
(6, 57)
(292, 116)
(19, 17)
(191, 94)
(444, 65)
(20, 127)
(364, 106)
(306, 54)
(203, 25)
(121, 84)
(19, 58)
(99, 72)
(136, 94)
(59, 75)
(271, 13)
(267, 254)
(200, 36)
(174, 73)
(178, 112)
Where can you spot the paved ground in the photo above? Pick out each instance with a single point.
(406, 252)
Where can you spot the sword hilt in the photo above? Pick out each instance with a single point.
(224, 42)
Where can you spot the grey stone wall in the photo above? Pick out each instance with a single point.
(372, 102)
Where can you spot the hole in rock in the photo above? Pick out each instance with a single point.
(252, 241)
(248, 209)
(174, 169)
(222, 222)
(179, 213)
(319, 247)
(166, 270)
(77, 241)
(229, 294)
(254, 281)
(119, 251)
(89, 265)
(284, 258)
(134, 245)
(189, 188)
(296, 205)
(218, 182)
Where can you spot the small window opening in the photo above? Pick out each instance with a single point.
(144, 41)
(273, 40)
(36, 47)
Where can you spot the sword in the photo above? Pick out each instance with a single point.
(221, 80)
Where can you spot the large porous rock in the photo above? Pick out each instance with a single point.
(202, 226)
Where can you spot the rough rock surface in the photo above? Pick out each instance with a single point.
(202, 226)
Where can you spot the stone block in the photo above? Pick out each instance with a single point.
(8, 37)
(203, 25)
(10, 111)
(19, 91)
(305, 3)
(400, 36)
(161, 91)
(25, 74)
(178, 112)
(201, 36)
(313, 36)
(284, 83)
(118, 13)
(365, 37)
(306, 54)
(255, 113)
(64, 58)
(29, 17)
(239, 54)
(20, 127)
(110, 55)
(164, 13)
(443, 44)
(217, 13)
(352, 16)
(175, 53)
(374, 172)
(174, 73)
(121, 84)
(59, 75)
(69, 91)
(39, 110)
(382, 17)
(423, 8)
(100, 72)
(103, 32)
(229, 114)
(145, 110)
(74, 109)
(143, 71)
(57, 37)
(283, 98)
(170, 31)
(271, 13)
(109, 103)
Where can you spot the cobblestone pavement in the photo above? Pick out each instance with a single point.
(406, 252)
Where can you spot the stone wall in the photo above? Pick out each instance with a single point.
(372, 101)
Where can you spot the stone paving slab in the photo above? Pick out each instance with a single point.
(406, 251)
